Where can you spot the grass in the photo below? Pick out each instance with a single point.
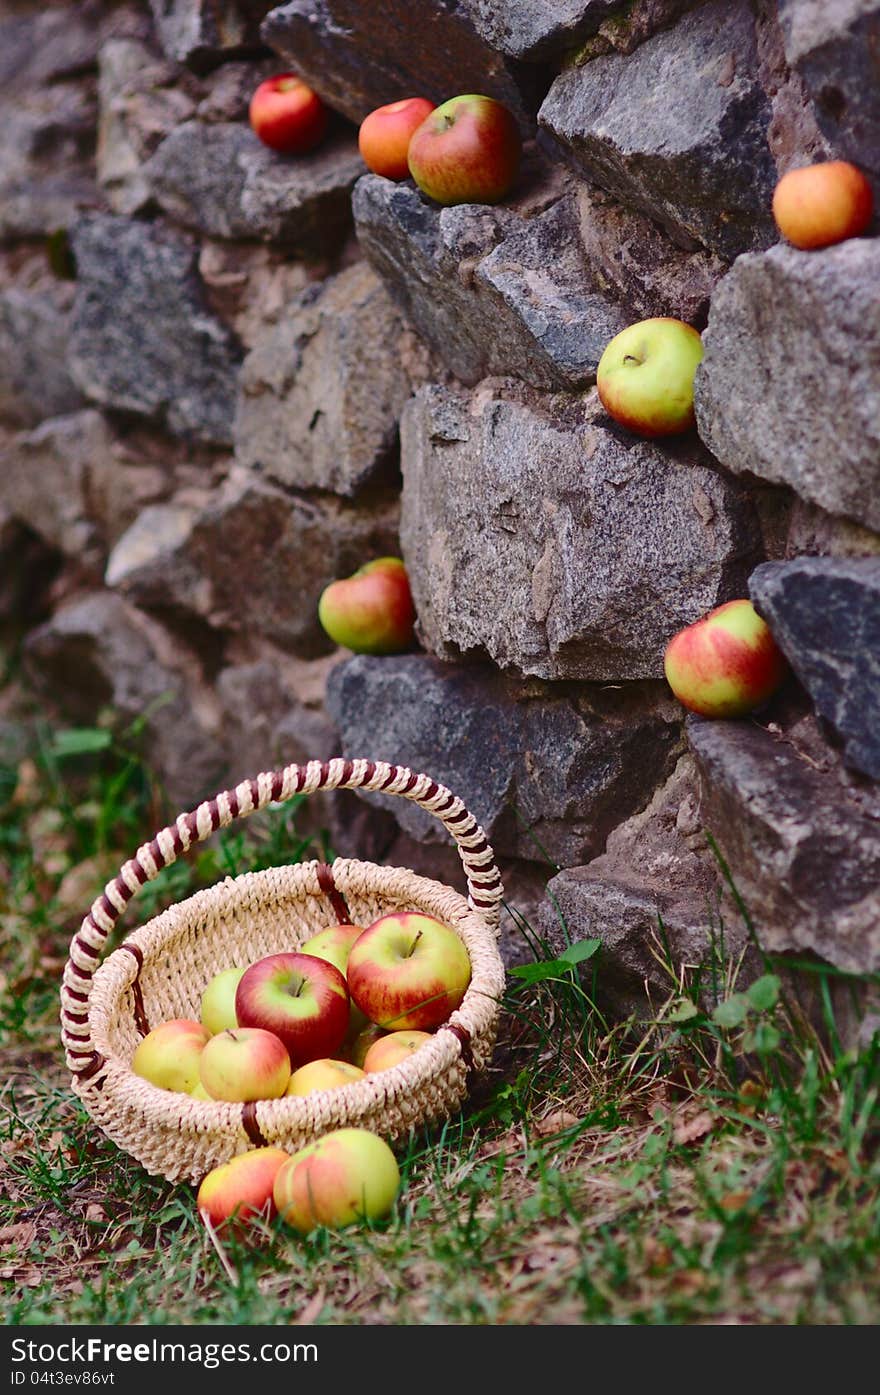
(701, 1167)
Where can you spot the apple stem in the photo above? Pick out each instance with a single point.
(631, 358)
(414, 943)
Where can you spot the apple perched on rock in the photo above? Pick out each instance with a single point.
(240, 1191)
(169, 1055)
(645, 376)
(726, 664)
(392, 1048)
(217, 1008)
(287, 115)
(384, 135)
(818, 205)
(371, 611)
(245, 1063)
(467, 150)
(302, 999)
(347, 1175)
(408, 970)
(327, 1073)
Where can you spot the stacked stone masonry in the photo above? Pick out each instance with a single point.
(228, 377)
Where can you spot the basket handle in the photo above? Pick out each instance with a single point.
(483, 878)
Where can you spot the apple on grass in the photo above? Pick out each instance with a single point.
(241, 1191)
(347, 1175)
(645, 376)
(821, 204)
(287, 115)
(170, 1054)
(326, 1073)
(302, 999)
(392, 1048)
(371, 611)
(384, 135)
(408, 970)
(245, 1063)
(726, 664)
(217, 1007)
(467, 150)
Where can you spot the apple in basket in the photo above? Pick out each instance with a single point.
(241, 1190)
(392, 1048)
(217, 1007)
(347, 1175)
(169, 1055)
(300, 998)
(408, 970)
(245, 1063)
(327, 1073)
(334, 944)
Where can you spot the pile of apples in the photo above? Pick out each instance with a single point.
(350, 1001)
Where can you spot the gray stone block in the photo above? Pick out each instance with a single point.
(697, 162)
(34, 378)
(557, 545)
(788, 389)
(548, 772)
(144, 339)
(825, 615)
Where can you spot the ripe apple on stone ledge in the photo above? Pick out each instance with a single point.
(645, 376)
(371, 611)
(384, 135)
(467, 150)
(726, 664)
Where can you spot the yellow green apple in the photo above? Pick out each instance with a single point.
(392, 1048)
(245, 1063)
(217, 1006)
(170, 1054)
(344, 1176)
(327, 1073)
(645, 376)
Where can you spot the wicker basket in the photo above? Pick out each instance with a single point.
(162, 968)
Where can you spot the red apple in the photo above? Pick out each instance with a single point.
(371, 611)
(241, 1190)
(169, 1055)
(645, 376)
(467, 150)
(346, 1175)
(726, 664)
(384, 135)
(818, 205)
(327, 1073)
(392, 1048)
(408, 970)
(245, 1063)
(287, 115)
(334, 944)
(301, 998)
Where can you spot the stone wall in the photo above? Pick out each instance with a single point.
(228, 377)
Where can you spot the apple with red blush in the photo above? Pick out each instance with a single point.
(408, 970)
(384, 135)
(300, 998)
(241, 1191)
(371, 611)
(725, 664)
(467, 150)
(245, 1063)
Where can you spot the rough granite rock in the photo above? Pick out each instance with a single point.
(358, 59)
(96, 652)
(635, 261)
(656, 899)
(46, 159)
(491, 292)
(219, 179)
(800, 835)
(537, 30)
(250, 558)
(825, 615)
(143, 338)
(34, 378)
(788, 390)
(140, 99)
(204, 33)
(547, 771)
(308, 414)
(699, 164)
(557, 545)
(833, 45)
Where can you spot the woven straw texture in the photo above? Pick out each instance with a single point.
(161, 969)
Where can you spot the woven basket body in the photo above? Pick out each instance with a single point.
(162, 969)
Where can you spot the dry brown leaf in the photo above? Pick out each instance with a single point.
(21, 1234)
(691, 1127)
(735, 1201)
(689, 1280)
(95, 1212)
(556, 1122)
(657, 1255)
(309, 1313)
